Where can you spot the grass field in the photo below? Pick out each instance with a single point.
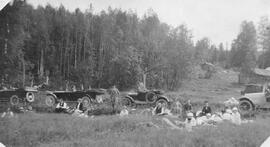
(51, 130)
(59, 130)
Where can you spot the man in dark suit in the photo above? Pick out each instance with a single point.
(206, 109)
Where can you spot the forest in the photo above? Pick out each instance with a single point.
(114, 47)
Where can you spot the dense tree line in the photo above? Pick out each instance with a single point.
(100, 50)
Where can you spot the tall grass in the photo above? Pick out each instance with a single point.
(64, 130)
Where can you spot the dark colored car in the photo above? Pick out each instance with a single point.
(72, 96)
(145, 97)
(17, 96)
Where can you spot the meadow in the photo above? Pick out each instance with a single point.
(136, 130)
(59, 130)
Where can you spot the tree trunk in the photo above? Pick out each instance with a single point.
(41, 68)
(23, 62)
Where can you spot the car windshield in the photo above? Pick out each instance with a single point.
(253, 89)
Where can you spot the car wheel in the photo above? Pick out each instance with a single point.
(162, 101)
(86, 101)
(126, 102)
(30, 97)
(151, 97)
(14, 100)
(50, 100)
(245, 106)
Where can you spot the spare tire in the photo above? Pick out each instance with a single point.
(86, 101)
(50, 100)
(30, 97)
(14, 100)
(151, 97)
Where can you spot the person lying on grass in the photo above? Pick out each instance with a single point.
(188, 124)
(208, 119)
(8, 113)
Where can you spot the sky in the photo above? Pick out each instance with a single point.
(219, 20)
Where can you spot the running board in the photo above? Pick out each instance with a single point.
(142, 102)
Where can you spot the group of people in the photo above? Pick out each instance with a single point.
(81, 110)
(191, 118)
(78, 110)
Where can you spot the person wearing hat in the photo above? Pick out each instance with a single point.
(190, 121)
(236, 117)
(227, 116)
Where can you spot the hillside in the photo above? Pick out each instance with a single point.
(222, 85)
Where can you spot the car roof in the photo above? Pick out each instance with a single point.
(253, 85)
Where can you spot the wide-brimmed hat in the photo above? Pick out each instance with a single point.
(190, 115)
(228, 111)
(234, 109)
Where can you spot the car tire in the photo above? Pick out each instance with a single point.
(30, 99)
(151, 97)
(245, 106)
(14, 100)
(162, 101)
(50, 100)
(127, 102)
(86, 101)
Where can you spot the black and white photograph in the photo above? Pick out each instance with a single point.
(134, 73)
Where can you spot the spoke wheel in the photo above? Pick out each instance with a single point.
(50, 100)
(86, 101)
(245, 106)
(151, 97)
(126, 102)
(14, 100)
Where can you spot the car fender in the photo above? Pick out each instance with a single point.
(88, 96)
(52, 94)
(255, 98)
(163, 97)
(245, 98)
(129, 97)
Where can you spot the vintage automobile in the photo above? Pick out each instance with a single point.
(72, 96)
(145, 97)
(17, 96)
(254, 96)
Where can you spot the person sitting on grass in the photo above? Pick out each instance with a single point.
(227, 116)
(188, 107)
(61, 107)
(190, 122)
(206, 109)
(8, 113)
(158, 110)
(79, 107)
(236, 117)
(124, 111)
